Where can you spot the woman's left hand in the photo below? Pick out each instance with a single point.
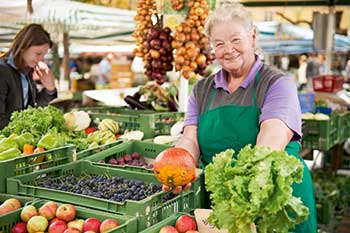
(46, 78)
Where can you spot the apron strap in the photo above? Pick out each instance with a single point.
(212, 94)
(257, 76)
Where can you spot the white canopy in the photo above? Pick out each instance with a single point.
(82, 21)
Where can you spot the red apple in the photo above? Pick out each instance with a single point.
(72, 230)
(28, 212)
(20, 227)
(48, 210)
(15, 203)
(91, 224)
(89, 232)
(168, 229)
(78, 224)
(185, 223)
(37, 224)
(58, 226)
(53, 220)
(66, 212)
(108, 224)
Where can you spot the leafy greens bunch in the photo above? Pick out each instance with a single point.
(255, 187)
(41, 121)
(37, 121)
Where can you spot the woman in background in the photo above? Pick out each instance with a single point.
(20, 70)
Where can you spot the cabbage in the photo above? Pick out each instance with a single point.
(77, 121)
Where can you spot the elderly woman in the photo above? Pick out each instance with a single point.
(246, 102)
(20, 68)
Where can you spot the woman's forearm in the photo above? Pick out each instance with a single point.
(189, 141)
(274, 133)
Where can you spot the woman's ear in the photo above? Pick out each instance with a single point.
(254, 36)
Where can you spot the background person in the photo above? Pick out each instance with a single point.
(104, 68)
(312, 69)
(19, 72)
(322, 66)
(302, 81)
(246, 102)
(347, 70)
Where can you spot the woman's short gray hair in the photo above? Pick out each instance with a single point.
(228, 11)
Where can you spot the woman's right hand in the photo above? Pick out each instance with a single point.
(177, 189)
(46, 78)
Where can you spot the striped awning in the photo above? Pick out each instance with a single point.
(82, 21)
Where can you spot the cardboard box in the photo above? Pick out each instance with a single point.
(203, 225)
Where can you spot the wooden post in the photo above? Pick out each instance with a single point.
(30, 6)
(330, 38)
(66, 57)
(337, 157)
(55, 61)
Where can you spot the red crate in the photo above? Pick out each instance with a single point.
(328, 83)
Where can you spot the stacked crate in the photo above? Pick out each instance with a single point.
(320, 134)
(121, 74)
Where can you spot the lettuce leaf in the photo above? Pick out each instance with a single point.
(255, 187)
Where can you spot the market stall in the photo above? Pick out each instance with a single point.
(103, 168)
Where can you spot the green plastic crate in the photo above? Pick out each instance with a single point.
(148, 211)
(344, 126)
(325, 212)
(145, 149)
(88, 152)
(170, 221)
(320, 134)
(109, 109)
(148, 150)
(127, 223)
(24, 164)
(150, 122)
(24, 201)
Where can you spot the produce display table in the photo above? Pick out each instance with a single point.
(111, 97)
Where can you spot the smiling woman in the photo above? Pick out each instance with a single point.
(246, 102)
(20, 71)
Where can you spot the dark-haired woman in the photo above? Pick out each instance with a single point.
(20, 68)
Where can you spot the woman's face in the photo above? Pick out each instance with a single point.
(234, 46)
(34, 54)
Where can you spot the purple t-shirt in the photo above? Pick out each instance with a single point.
(280, 102)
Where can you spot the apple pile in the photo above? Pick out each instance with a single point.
(144, 11)
(184, 224)
(192, 48)
(134, 159)
(9, 205)
(53, 218)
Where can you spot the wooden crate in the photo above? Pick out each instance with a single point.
(121, 83)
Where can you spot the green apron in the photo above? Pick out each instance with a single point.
(234, 126)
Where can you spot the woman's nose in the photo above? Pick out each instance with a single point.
(228, 47)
